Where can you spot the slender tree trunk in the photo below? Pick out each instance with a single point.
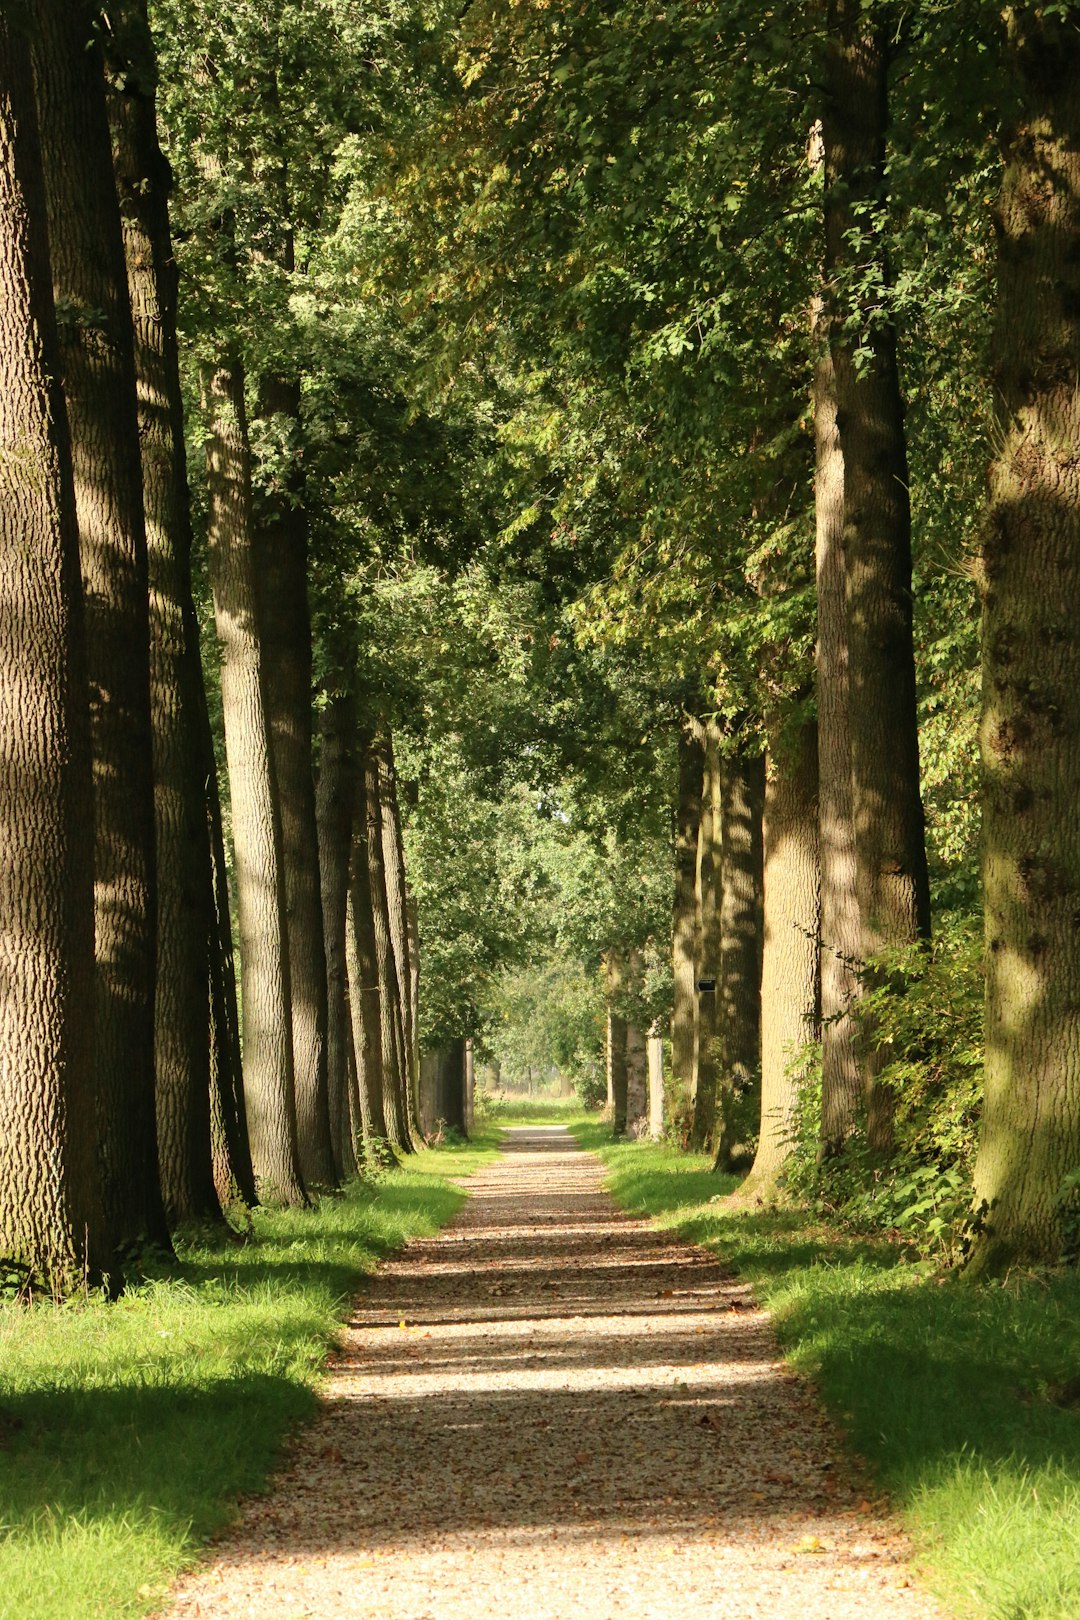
(98, 374)
(637, 1082)
(394, 1072)
(656, 1081)
(709, 885)
(334, 809)
(684, 925)
(1030, 1139)
(412, 916)
(363, 972)
(470, 1088)
(52, 1222)
(264, 962)
(184, 871)
(789, 978)
(739, 987)
(280, 540)
(614, 976)
(890, 851)
(841, 1083)
(397, 909)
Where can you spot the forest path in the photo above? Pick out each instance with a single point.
(581, 1416)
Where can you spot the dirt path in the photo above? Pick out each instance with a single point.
(554, 1411)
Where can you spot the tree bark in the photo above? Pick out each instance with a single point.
(889, 841)
(1030, 1138)
(394, 1071)
(335, 806)
(789, 976)
(614, 977)
(708, 889)
(656, 1081)
(280, 541)
(397, 911)
(97, 368)
(740, 928)
(177, 696)
(363, 974)
(264, 963)
(684, 923)
(52, 1222)
(841, 1082)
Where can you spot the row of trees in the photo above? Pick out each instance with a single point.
(125, 1107)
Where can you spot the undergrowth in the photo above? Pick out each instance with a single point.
(962, 1399)
(128, 1430)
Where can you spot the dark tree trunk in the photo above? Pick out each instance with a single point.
(97, 368)
(738, 992)
(890, 851)
(445, 1085)
(789, 976)
(397, 911)
(1029, 1143)
(334, 809)
(709, 885)
(52, 1222)
(392, 1043)
(280, 541)
(363, 974)
(684, 922)
(178, 699)
(264, 963)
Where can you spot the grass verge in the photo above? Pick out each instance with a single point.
(128, 1431)
(952, 1393)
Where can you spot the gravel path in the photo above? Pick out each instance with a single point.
(549, 1411)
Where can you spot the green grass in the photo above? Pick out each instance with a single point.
(530, 1110)
(942, 1387)
(127, 1431)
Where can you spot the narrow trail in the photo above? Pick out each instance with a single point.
(580, 1417)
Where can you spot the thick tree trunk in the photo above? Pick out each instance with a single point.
(280, 541)
(178, 700)
(392, 1043)
(708, 889)
(397, 910)
(363, 973)
(97, 367)
(684, 923)
(739, 988)
(1030, 1139)
(789, 976)
(614, 981)
(334, 810)
(264, 963)
(52, 1224)
(637, 1082)
(890, 850)
(841, 1083)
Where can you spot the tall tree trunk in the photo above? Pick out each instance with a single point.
(397, 909)
(841, 944)
(52, 1222)
(264, 962)
(394, 1071)
(684, 922)
(890, 850)
(1030, 1138)
(334, 810)
(656, 1081)
(789, 976)
(363, 973)
(614, 980)
(280, 539)
(709, 885)
(412, 917)
(97, 368)
(184, 872)
(738, 992)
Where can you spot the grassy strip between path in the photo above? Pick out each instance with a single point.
(951, 1392)
(127, 1431)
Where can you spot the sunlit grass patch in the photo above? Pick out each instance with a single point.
(955, 1395)
(127, 1431)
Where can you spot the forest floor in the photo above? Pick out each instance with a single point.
(554, 1409)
